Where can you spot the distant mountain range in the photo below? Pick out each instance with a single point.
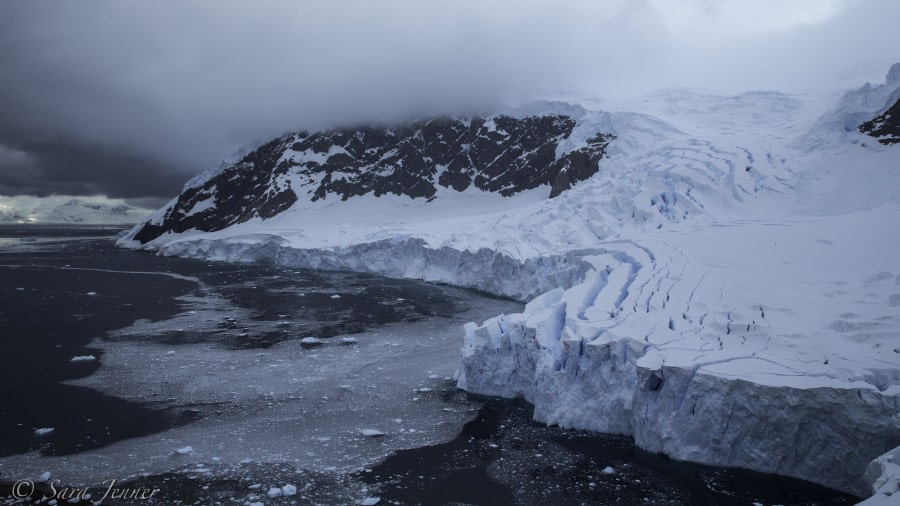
(68, 210)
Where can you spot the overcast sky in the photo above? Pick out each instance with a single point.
(129, 99)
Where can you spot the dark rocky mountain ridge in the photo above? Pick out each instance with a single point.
(501, 154)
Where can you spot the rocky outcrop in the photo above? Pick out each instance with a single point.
(885, 127)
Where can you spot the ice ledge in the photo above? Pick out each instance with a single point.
(402, 257)
(823, 431)
(709, 348)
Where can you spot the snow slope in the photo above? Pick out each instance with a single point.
(725, 289)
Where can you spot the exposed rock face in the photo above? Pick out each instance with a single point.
(885, 127)
(501, 154)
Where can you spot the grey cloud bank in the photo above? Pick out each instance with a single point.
(129, 99)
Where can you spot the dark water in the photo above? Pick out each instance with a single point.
(501, 457)
(47, 318)
(504, 457)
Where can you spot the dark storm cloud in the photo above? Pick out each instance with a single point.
(130, 98)
(47, 166)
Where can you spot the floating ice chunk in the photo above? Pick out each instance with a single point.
(255, 486)
(289, 490)
(312, 341)
(83, 358)
(371, 433)
(423, 390)
(349, 340)
(184, 450)
(275, 492)
(335, 296)
(20, 289)
(608, 470)
(44, 431)
(256, 503)
(434, 377)
(369, 501)
(91, 293)
(45, 477)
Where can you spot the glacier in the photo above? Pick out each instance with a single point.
(726, 289)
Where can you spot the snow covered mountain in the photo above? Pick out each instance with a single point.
(501, 154)
(68, 210)
(719, 278)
